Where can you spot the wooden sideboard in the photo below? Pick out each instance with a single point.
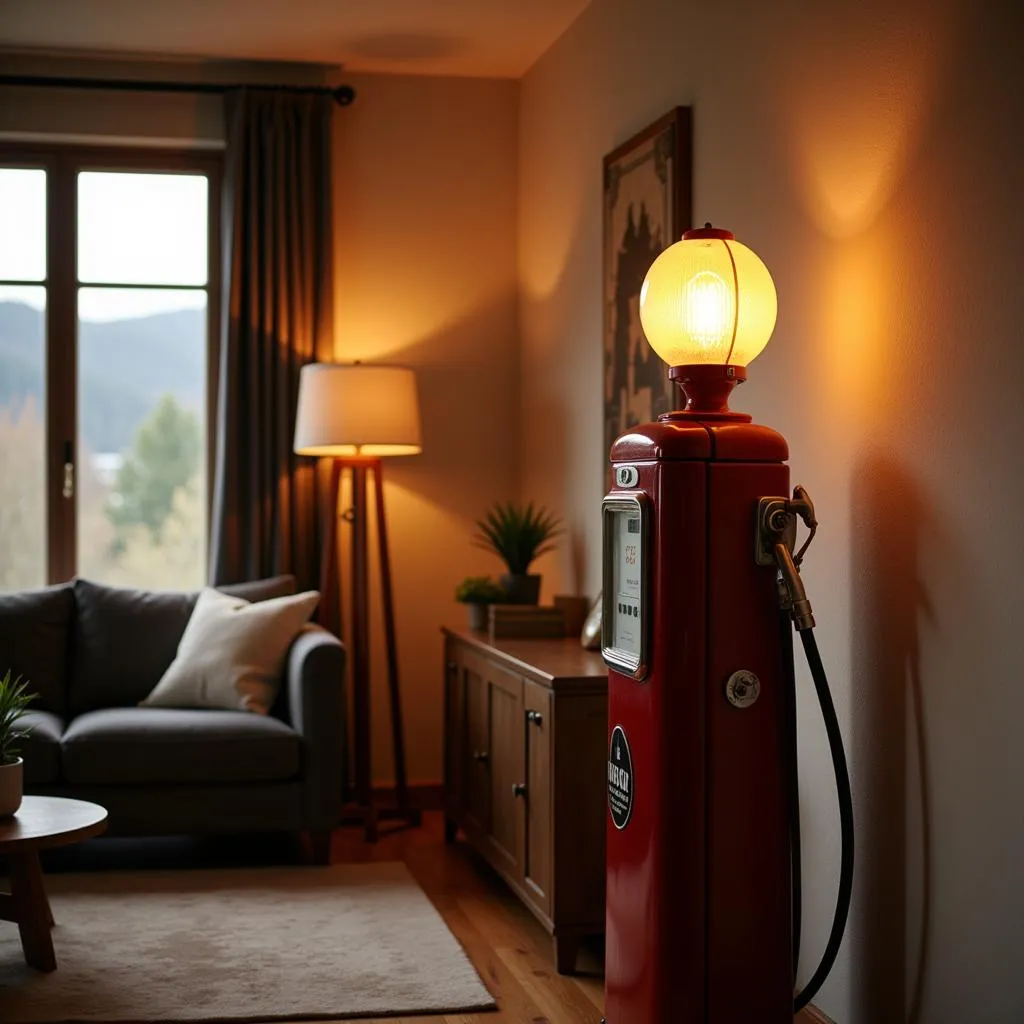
(526, 725)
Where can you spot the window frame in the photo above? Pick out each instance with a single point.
(62, 164)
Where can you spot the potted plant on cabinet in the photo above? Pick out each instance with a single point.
(14, 702)
(477, 592)
(518, 535)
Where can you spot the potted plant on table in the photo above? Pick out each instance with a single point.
(518, 535)
(14, 702)
(477, 592)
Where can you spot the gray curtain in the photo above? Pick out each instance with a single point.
(268, 515)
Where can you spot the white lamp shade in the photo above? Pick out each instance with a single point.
(352, 409)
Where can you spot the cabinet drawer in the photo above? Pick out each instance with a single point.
(538, 867)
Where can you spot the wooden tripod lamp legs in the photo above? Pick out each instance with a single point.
(360, 637)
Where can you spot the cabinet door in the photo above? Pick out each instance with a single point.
(478, 749)
(539, 850)
(508, 784)
(454, 730)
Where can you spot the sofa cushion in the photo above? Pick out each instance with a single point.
(233, 652)
(40, 747)
(124, 639)
(126, 746)
(35, 627)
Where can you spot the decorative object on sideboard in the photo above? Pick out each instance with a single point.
(477, 592)
(14, 702)
(575, 608)
(590, 637)
(647, 207)
(357, 414)
(526, 622)
(518, 535)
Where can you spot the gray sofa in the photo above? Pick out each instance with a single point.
(92, 652)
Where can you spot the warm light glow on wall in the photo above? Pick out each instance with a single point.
(708, 299)
(854, 303)
(850, 144)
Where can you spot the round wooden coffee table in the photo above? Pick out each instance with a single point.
(41, 823)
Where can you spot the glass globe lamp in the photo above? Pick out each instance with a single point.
(708, 307)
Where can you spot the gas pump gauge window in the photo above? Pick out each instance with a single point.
(624, 620)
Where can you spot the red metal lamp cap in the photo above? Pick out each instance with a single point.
(708, 232)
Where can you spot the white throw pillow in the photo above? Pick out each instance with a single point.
(232, 652)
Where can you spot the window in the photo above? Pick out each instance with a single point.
(108, 298)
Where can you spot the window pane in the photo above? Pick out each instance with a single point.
(142, 437)
(22, 224)
(142, 228)
(22, 438)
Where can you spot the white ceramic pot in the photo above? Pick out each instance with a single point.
(10, 788)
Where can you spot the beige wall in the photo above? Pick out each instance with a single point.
(426, 269)
(872, 154)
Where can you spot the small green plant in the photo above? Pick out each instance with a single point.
(14, 702)
(479, 590)
(518, 535)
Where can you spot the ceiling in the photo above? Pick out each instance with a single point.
(490, 38)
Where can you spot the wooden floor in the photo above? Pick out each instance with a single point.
(506, 944)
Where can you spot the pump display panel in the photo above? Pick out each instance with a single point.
(624, 620)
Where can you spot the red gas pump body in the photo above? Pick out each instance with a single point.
(699, 888)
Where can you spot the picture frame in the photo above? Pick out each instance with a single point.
(647, 207)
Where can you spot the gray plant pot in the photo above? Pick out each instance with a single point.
(477, 616)
(521, 589)
(11, 788)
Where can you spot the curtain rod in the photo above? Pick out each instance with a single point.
(343, 95)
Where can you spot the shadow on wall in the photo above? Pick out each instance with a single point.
(891, 516)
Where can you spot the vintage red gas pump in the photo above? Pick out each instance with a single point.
(700, 586)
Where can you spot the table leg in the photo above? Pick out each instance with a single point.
(32, 910)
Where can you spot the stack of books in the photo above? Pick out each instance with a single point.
(525, 621)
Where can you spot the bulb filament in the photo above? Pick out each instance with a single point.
(708, 309)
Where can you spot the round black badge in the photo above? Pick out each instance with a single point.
(620, 778)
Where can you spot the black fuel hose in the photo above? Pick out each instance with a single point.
(842, 773)
(793, 777)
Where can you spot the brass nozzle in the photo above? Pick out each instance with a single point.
(803, 617)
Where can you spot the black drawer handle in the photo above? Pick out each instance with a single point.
(519, 789)
(482, 756)
(452, 666)
(536, 717)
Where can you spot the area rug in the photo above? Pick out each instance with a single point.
(353, 940)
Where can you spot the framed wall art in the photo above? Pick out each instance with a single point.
(647, 207)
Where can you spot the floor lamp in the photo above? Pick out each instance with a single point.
(357, 415)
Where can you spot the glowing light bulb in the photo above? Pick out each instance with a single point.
(708, 309)
(708, 299)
